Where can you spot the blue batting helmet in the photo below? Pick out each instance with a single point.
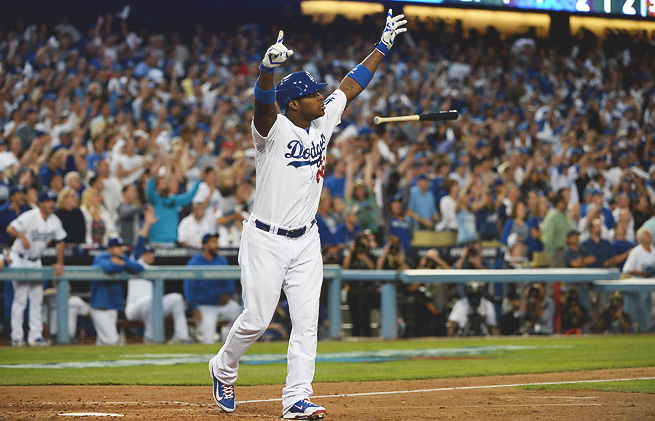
(294, 86)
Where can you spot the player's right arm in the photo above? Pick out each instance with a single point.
(265, 109)
(11, 230)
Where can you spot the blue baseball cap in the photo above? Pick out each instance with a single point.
(208, 236)
(295, 85)
(44, 196)
(148, 249)
(115, 242)
(16, 189)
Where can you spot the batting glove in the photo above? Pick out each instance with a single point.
(392, 28)
(275, 55)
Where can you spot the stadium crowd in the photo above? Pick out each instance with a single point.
(553, 151)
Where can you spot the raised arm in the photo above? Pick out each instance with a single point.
(265, 109)
(355, 82)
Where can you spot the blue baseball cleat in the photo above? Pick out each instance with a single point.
(305, 410)
(223, 393)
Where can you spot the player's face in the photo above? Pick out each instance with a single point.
(212, 246)
(47, 207)
(312, 105)
(149, 258)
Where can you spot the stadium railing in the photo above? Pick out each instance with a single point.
(602, 279)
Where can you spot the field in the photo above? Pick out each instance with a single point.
(599, 377)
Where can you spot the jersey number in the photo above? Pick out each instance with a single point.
(321, 171)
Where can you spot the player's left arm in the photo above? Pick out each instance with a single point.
(359, 77)
(59, 266)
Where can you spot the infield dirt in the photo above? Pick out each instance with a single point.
(196, 402)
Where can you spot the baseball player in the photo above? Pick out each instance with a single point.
(107, 296)
(33, 231)
(139, 291)
(280, 246)
(211, 301)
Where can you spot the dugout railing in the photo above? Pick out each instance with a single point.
(601, 280)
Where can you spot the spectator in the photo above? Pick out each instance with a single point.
(130, 164)
(99, 226)
(73, 182)
(211, 301)
(11, 210)
(400, 222)
(516, 223)
(621, 247)
(600, 248)
(325, 220)
(53, 166)
(72, 218)
(555, 229)
(335, 183)
(487, 218)
(473, 314)
(129, 212)
(466, 224)
(641, 259)
(575, 255)
(107, 296)
(538, 311)
(535, 225)
(193, 227)
(111, 190)
(158, 193)
(138, 305)
(447, 207)
(421, 207)
(507, 204)
(347, 230)
(613, 319)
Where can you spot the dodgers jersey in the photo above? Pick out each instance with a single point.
(38, 231)
(290, 165)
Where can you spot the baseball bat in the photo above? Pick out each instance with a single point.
(438, 116)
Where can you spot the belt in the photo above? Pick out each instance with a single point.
(295, 233)
(22, 256)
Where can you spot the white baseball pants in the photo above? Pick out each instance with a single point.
(270, 263)
(22, 292)
(173, 305)
(104, 322)
(211, 315)
(76, 307)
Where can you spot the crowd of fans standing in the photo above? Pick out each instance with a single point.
(553, 151)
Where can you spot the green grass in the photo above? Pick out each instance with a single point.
(544, 355)
(632, 386)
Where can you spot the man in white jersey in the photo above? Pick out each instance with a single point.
(33, 231)
(280, 246)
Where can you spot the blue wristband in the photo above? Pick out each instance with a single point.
(361, 75)
(265, 69)
(264, 97)
(382, 48)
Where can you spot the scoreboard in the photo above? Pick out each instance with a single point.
(611, 8)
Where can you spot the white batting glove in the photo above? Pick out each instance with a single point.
(275, 55)
(391, 29)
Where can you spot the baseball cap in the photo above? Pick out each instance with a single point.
(16, 189)
(572, 232)
(422, 177)
(207, 236)
(44, 196)
(396, 198)
(115, 242)
(148, 249)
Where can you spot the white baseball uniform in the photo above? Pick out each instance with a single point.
(139, 307)
(39, 232)
(290, 165)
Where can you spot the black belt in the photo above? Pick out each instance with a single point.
(295, 233)
(22, 256)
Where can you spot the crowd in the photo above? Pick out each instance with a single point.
(553, 151)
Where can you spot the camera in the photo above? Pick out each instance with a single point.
(534, 292)
(360, 244)
(394, 248)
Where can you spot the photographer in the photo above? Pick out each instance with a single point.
(361, 296)
(419, 315)
(472, 315)
(393, 257)
(432, 260)
(538, 311)
(471, 257)
(574, 315)
(613, 319)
